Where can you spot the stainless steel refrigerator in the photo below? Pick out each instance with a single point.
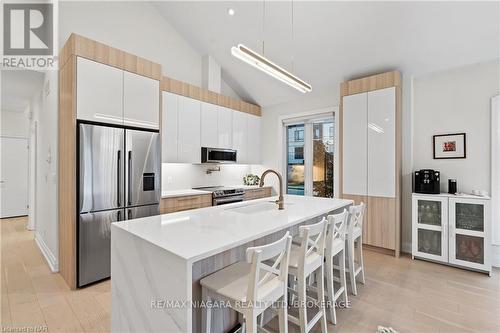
(119, 178)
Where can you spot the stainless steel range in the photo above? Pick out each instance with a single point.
(224, 195)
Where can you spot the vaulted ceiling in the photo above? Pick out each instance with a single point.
(334, 41)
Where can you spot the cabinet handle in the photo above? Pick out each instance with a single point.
(129, 177)
(119, 158)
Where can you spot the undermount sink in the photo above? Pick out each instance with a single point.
(256, 208)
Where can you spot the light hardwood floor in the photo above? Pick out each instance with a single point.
(410, 296)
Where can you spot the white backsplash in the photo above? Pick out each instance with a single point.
(179, 176)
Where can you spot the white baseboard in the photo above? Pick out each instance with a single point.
(495, 256)
(47, 253)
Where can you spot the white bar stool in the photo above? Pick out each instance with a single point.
(335, 247)
(305, 260)
(251, 287)
(355, 235)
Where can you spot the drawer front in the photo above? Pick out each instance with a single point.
(177, 204)
(257, 193)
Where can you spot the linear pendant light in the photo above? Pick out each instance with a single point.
(258, 61)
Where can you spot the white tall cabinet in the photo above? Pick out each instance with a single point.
(111, 95)
(452, 229)
(189, 124)
(169, 125)
(370, 155)
(189, 136)
(99, 92)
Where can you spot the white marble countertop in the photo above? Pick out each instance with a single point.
(458, 195)
(182, 193)
(200, 233)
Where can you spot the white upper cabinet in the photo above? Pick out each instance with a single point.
(355, 145)
(189, 122)
(240, 130)
(225, 127)
(209, 125)
(253, 140)
(382, 143)
(141, 102)
(169, 127)
(99, 92)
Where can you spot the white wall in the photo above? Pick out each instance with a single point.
(14, 123)
(456, 101)
(46, 227)
(176, 176)
(135, 27)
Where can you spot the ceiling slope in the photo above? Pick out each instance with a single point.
(334, 41)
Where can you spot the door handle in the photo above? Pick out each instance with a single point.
(129, 214)
(118, 164)
(119, 215)
(129, 178)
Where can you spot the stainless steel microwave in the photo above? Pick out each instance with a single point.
(217, 155)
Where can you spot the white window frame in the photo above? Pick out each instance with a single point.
(307, 118)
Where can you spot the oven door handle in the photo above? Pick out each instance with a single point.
(231, 199)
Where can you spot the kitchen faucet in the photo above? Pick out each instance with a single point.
(280, 201)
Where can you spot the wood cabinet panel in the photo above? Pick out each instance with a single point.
(204, 95)
(67, 172)
(251, 194)
(102, 53)
(381, 222)
(177, 204)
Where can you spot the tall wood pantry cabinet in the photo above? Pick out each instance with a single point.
(371, 155)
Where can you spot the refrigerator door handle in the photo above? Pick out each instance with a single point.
(119, 215)
(129, 213)
(118, 177)
(129, 178)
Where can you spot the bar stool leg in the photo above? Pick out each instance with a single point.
(302, 303)
(330, 290)
(321, 296)
(251, 323)
(362, 272)
(206, 313)
(283, 315)
(343, 282)
(350, 256)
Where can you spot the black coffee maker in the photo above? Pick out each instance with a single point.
(427, 181)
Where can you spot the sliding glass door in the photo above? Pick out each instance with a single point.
(310, 156)
(295, 159)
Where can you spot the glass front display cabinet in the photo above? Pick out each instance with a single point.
(452, 229)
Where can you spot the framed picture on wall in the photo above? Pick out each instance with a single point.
(449, 146)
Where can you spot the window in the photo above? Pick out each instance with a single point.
(310, 156)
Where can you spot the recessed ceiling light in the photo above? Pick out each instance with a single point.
(231, 12)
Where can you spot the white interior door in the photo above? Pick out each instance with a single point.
(14, 177)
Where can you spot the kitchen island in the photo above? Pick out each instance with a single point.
(157, 262)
